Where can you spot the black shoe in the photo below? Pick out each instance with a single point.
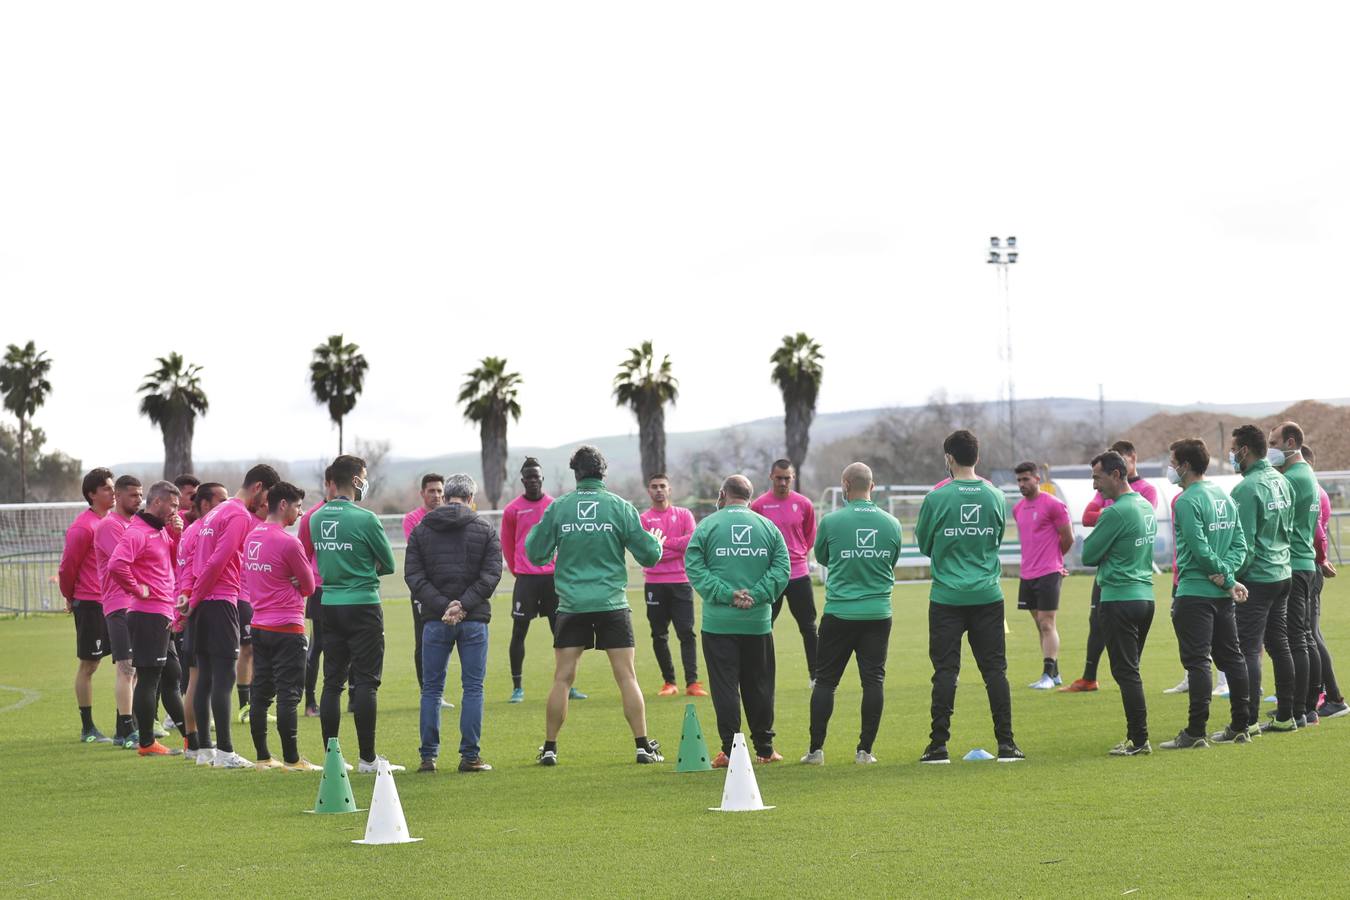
(547, 757)
(1301, 721)
(1010, 753)
(1313, 718)
(936, 755)
(428, 765)
(652, 754)
(473, 764)
(1184, 741)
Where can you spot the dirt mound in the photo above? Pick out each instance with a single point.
(1327, 429)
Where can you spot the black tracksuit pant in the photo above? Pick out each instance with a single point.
(1207, 628)
(983, 627)
(801, 602)
(1262, 622)
(1125, 625)
(673, 604)
(869, 640)
(741, 669)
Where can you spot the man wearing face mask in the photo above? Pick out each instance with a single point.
(1287, 438)
(1265, 505)
(1210, 547)
(352, 552)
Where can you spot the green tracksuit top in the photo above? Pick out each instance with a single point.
(1121, 547)
(352, 552)
(860, 545)
(1265, 505)
(1307, 506)
(589, 529)
(1209, 540)
(736, 549)
(960, 529)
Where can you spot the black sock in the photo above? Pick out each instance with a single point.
(244, 690)
(124, 725)
(192, 741)
(1051, 667)
(515, 682)
(87, 718)
(551, 745)
(641, 743)
(310, 700)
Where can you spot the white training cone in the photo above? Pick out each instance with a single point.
(386, 824)
(740, 793)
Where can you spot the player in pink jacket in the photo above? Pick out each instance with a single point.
(78, 577)
(141, 569)
(796, 519)
(433, 493)
(127, 494)
(669, 596)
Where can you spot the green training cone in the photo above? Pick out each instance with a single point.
(335, 788)
(693, 749)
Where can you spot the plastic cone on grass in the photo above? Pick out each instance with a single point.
(740, 793)
(693, 749)
(386, 824)
(335, 788)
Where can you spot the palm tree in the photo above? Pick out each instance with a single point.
(489, 398)
(172, 398)
(336, 377)
(23, 379)
(646, 388)
(797, 372)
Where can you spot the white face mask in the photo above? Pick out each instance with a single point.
(1275, 456)
(1173, 476)
(362, 487)
(1233, 461)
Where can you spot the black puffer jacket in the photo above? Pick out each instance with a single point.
(453, 554)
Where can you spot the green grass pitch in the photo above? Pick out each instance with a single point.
(1266, 819)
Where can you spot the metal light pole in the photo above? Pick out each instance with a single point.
(1003, 254)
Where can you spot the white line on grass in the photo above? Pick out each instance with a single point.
(27, 698)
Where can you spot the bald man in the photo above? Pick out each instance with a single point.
(859, 545)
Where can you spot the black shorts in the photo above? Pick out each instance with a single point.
(119, 638)
(533, 596)
(313, 603)
(1040, 594)
(609, 630)
(245, 623)
(214, 629)
(91, 631)
(149, 638)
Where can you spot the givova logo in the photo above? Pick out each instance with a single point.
(970, 513)
(740, 534)
(329, 530)
(1150, 531)
(1220, 509)
(328, 537)
(254, 548)
(741, 543)
(970, 523)
(586, 509)
(865, 540)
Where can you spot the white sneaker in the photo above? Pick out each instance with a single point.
(1044, 683)
(368, 768)
(814, 758)
(206, 756)
(811, 684)
(446, 704)
(190, 755)
(168, 724)
(231, 760)
(1182, 687)
(1221, 688)
(864, 758)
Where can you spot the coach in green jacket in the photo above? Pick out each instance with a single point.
(738, 562)
(860, 545)
(589, 529)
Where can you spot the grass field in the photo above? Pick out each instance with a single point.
(1268, 819)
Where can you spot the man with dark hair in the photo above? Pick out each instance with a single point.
(1096, 642)
(187, 489)
(1287, 438)
(1121, 547)
(141, 568)
(453, 564)
(278, 577)
(1210, 547)
(433, 492)
(669, 597)
(208, 497)
(314, 602)
(533, 595)
(960, 530)
(589, 529)
(127, 494)
(859, 545)
(78, 577)
(353, 552)
(796, 519)
(219, 622)
(1046, 534)
(1327, 700)
(738, 562)
(1265, 506)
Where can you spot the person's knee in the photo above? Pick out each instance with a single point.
(126, 669)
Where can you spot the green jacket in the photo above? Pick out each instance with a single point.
(589, 529)
(1307, 506)
(352, 552)
(736, 549)
(1265, 505)
(1121, 547)
(960, 529)
(1209, 540)
(860, 545)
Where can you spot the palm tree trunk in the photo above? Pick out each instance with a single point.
(177, 446)
(23, 459)
(339, 421)
(797, 432)
(493, 435)
(652, 438)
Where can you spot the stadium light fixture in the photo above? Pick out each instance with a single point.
(1003, 253)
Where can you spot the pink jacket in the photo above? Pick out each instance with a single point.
(796, 518)
(219, 555)
(144, 559)
(107, 536)
(518, 518)
(678, 525)
(78, 573)
(271, 559)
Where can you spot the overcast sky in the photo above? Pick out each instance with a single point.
(555, 182)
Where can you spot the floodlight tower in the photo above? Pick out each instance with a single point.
(1002, 254)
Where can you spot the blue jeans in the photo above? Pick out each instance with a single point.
(438, 639)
